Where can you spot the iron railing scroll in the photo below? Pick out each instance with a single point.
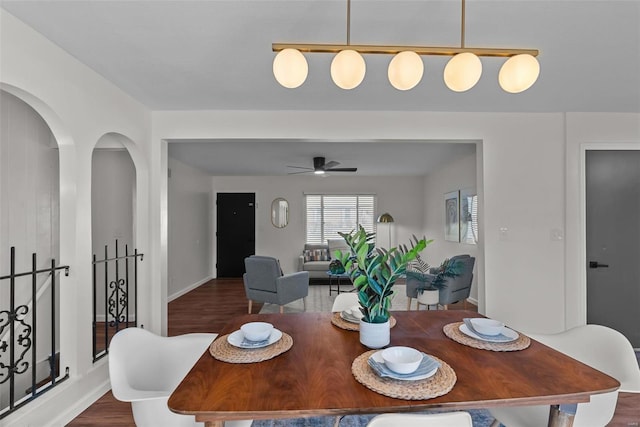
(119, 308)
(19, 336)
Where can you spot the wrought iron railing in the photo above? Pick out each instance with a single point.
(118, 312)
(19, 337)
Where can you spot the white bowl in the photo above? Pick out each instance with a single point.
(256, 331)
(403, 360)
(355, 311)
(488, 326)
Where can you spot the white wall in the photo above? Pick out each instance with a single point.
(457, 175)
(29, 187)
(189, 250)
(79, 106)
(400, 196)
(112, 183)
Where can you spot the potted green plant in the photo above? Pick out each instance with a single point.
(373, 272)
(429, 281)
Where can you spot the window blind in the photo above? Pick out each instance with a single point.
(329, 214)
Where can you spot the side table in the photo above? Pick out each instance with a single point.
(335, 280)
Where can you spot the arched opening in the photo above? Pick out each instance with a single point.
(30, 241)
(113, 214)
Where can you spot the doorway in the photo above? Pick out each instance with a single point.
(235, 232)
(613, 240)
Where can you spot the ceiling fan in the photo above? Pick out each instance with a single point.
(320, 167)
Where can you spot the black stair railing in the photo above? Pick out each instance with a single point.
(19, 337)
(120, 295)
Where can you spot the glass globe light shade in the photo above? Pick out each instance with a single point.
(462, 72)
(290, 68)
(405, 70)
(519, 73)
(348, 69)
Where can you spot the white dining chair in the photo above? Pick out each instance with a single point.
(344, 301)
(145, 368)
(445, 419)
(601, 348)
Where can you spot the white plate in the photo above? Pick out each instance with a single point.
(349, 317)
(509, 333)
(236, 338)
(377, 356)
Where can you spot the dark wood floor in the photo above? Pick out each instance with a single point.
(207, 309)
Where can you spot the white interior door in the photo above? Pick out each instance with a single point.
(613, 240)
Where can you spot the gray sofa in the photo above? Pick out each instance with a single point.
(315, 258)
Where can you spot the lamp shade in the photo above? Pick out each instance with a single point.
(385, 217)
(462, 72)
(348, 69)
(405, 70)
(519, 73)
(290, 68)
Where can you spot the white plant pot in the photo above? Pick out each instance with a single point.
(429, 297)
(375, 335)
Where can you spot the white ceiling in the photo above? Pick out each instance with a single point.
(216, 54)
(270, 157)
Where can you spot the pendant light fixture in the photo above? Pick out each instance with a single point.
(406, 68)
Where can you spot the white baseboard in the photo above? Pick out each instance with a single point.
(473, 301)
(188, 289)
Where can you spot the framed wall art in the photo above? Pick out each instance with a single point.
(452, 216)
(468, 216)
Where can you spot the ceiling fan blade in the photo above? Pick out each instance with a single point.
(330, 165)
(298, 173)
(341, 170)
(300, 167)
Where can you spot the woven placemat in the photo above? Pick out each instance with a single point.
(452, 330)
(221, 349)
(439, 384)
(338, 321)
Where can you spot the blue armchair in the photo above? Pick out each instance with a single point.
(457, 288)
(265, 282)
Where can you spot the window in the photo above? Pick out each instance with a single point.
(329, 214)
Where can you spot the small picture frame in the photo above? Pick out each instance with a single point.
(452, 216)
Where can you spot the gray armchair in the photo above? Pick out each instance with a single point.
(456, 289)
(264, 282)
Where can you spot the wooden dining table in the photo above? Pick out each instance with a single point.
(314, 377)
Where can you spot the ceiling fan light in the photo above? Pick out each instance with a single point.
(462, 72)
(405, 70)
(348, 69)
(319, 172)
(519, 73)
(290, 68)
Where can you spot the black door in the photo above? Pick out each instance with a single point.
(235, 232)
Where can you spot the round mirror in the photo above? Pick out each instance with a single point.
(279, 212)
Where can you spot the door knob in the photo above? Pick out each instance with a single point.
(596, 264)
